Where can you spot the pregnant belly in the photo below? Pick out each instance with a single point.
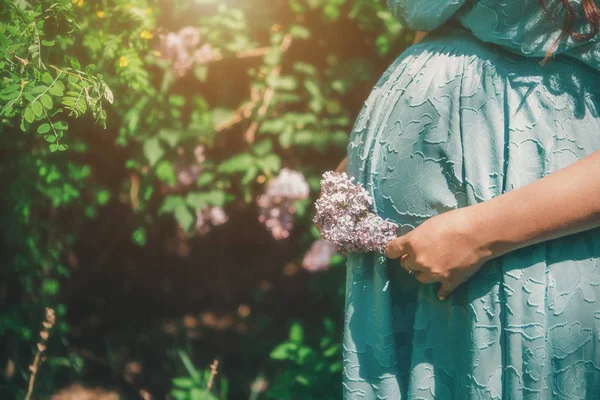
(454, 122)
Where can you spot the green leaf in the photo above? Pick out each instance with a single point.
(9, 95)
(171, 203)
(262, 148)
(50, 287)
(237, 163)
(56, 91)
(335, 367)
(139, 236)
(37, 109)
(273, 126)
(250, 174)
(296, 333)
(189, 366)
(184, 217)
(62, 147)
(201, 394)
(283, 351)
(220, 115)
(44, 128)
(165, 172)
(75, 64)
(53, 147)
(303, 380)
(103, 196)
(333, 350)
(48, 42)
(108, 94)
(171, 136)
(60, 125)
(50, 139)
(199, 200)
(46, 101)
(270, 163)
(215, 198)
(286, 138)
(14, 88)
(179, 394)
(196, 200)
(39, 89)
(183, 383)
(205, 178)
(28, 115)
(299, 32)
(152, 150)
(176, 100)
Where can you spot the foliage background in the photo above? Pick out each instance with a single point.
(102, 183)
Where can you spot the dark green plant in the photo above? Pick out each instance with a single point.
(278, 86)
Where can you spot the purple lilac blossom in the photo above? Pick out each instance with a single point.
(275, 206)
(345, 217)
(319, 256)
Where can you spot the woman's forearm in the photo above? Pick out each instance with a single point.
(562, 203)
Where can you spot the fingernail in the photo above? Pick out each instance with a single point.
(441, 298)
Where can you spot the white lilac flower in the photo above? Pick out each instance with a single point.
(289, 184)
(204, 54)
(186, 175)
(182, 49)
(199, 154)
(217, 216)
(275, 206)
(277, 214)
(189, 36)
(319, 256)
(202, 225)
(344, 214)
(209, 217)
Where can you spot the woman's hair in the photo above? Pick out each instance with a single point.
(592, 14)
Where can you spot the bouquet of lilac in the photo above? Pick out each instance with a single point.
(345, 217)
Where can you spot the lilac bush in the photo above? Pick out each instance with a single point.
(345, 217)
(276, 208)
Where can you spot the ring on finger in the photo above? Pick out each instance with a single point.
(405, 266)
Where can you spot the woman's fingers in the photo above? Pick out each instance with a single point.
(446, 289)
(425, 278)
(396, 248)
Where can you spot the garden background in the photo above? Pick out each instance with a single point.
(159, 160)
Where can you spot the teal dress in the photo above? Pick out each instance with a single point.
(458, 119)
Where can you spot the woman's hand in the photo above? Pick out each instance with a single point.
(445, 248)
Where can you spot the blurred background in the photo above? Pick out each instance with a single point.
(159, 161)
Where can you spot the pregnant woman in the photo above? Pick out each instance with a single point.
(482, 143)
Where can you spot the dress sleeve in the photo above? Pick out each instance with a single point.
(424, 15)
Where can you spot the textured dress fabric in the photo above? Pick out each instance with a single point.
(458, 119)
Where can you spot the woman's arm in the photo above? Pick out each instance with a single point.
(562, 203)
(450, 247)
(342, 167)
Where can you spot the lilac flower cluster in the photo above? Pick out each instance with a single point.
(186, 174)
(276, 209)
(345, 217)
(182, 49)
(208, 217)
(319, 256)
